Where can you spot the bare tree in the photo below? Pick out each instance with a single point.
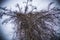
(33, 26)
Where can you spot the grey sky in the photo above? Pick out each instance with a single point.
(40, 4)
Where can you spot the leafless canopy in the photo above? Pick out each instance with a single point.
(33, 25)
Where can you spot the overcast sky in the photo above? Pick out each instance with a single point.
(40, 4)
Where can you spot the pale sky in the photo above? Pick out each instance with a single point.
(40, 4)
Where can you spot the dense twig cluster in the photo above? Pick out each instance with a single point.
(34, 25)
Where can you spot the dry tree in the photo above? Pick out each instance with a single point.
(34, 25)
